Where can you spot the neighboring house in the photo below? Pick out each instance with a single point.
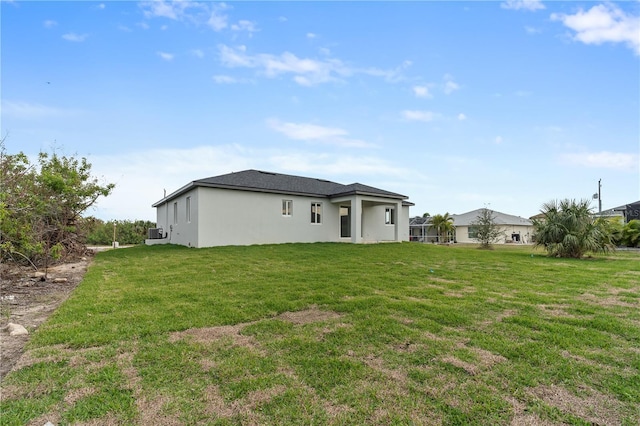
(420, 230)
(628, 212)
(516, 229)
(257, 207)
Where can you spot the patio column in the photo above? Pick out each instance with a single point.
(356, 220)
(396, 229)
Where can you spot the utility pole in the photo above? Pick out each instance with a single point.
(598, 196)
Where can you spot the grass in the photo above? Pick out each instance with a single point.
(338, 334)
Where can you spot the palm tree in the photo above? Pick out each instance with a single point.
(568, 229)
(443, 224)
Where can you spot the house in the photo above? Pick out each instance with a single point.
(420, 230)
(516, 229)
(627, 212)
(258, 207)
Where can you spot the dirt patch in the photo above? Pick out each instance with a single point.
(486, 358)
(592, 406)
(469, 368)
(246, 407)
(28, 298)
(308, 316)
(523, 418)
(213, 334)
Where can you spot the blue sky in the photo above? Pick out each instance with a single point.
(458, 105)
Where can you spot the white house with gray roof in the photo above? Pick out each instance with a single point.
(258, 207)
(515, 229)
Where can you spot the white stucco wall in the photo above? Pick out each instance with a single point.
(230, 217)
(222, 217)
(374, 226)
(179, 230)
(462, 234)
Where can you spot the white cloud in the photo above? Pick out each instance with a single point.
(422, 92)
(304, 71)
(498, 140)
(532, 30)
(311, 35)
(450, 86)
(604, 160)
(49, 23)
(75, 37)
(198, 53)
(101, 6)
(329, 166)
(224, 79)
(177, 10)
(414, 115)
(217, 21)
(200, 13)
(139, 184)
(166, 56)
(391, 75)
(462, 117)
(244, 25)
(30, 111)
(314, 133)
(523, 5)
(603, 23)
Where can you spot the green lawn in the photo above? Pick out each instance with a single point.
(338, 334)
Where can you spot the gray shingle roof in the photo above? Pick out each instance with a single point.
(465, 219)
(261, 181)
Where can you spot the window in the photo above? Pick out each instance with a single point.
(473, 232)
(316, 212)
(389, 216)
(287, 208)
(175, 212)
(188, 209)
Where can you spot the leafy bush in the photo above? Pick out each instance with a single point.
(41, 205)
(126, 231)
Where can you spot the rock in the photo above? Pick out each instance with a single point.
(16, 329)
(60, 280)
(38, 274)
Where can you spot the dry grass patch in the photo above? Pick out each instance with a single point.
(556, 310)
(521, 417)
(77, 394)
(469, 368)
(213, 334)
(49, 417)
(308, 316)
(487, 359)
(607, 301)
(593, 407)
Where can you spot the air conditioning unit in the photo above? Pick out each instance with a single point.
(155, 233)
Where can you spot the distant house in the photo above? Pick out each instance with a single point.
(420, 230)
(627, 212)
(258, 207)
(516, 229)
